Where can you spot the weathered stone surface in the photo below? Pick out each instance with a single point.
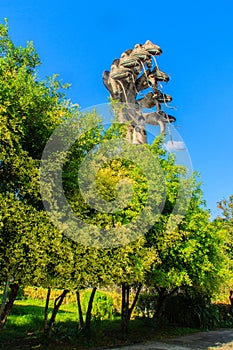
(129, 76)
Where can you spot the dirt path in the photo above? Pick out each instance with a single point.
(221, 339)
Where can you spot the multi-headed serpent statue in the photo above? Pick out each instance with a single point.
(134, 72)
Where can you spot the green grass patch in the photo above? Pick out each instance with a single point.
(29, 314)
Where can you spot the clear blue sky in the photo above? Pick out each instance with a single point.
(79, 40)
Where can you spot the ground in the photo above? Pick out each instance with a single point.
(221, 339)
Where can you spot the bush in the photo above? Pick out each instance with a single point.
(183, 310)
(102, 306)
(146, 305)
(40, 293)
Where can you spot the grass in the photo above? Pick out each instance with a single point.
(24, 327)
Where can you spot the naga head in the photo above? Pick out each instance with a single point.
(157, 75)
(152, 48)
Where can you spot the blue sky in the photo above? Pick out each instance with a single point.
(79, 40)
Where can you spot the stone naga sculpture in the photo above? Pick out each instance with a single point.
(135, 71)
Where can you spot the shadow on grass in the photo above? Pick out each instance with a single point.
(24, 327)
(103, 334)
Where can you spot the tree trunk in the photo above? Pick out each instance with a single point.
(88, 314)
(162, 297)
(80, 312)
(125, 307)
(5, 295)
(13, 293)
(46, 310)
(160, 302)
(134, 301)
(57, 303)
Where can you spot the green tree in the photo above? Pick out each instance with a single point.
(29, 112)
(126, 265)
(224, 223)
(33, 251)
(226, 207)
(130, 264)
(192, 257)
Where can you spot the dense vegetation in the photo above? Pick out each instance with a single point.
(188, 264)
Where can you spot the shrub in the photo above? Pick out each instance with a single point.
(146, 305)
(40, 293)
(186, 310)
(102, 306)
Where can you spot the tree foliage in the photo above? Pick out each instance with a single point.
(29, 111)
